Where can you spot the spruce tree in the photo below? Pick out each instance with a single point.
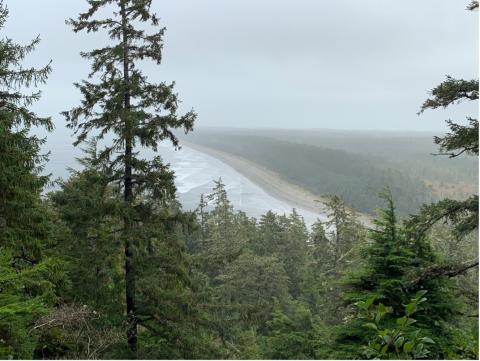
(225, 234)
(462, 139)
(345, 232)
(87, 207)
(388, 258)
(319, 244)
(20, 158)
(119, 100)
(173, 298)
(269, 235)
(290, 333)
(345, 236)
(285, 237)
(251, 284)
(29, 280)
(294, 250)
(390, 261)
(317, 267)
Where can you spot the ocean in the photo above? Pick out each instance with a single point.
(195, 174)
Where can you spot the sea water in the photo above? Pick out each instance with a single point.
(195, 174)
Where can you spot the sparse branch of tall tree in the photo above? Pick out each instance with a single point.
(443, 270)
(451, 91)
(473, 5)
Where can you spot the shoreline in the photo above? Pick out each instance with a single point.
(272, 183)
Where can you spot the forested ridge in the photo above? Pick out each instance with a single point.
(109, 266)
(356, 178)
(404, 151)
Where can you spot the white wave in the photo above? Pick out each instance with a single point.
(195, 174)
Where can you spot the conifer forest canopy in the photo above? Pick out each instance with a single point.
(107, 263)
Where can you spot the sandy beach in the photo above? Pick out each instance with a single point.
(272, 183)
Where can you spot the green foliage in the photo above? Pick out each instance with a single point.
(29, 280)
(290, 332)
(392, 261)
(22, 224)
(451, 91)
(461, 139)
(356, 178)
(462, 215)
(253, 283)
(26, 293)
(119, 100)
(152, 113)
(388, 258)
(89, 213)
(399, 339)
(102, 269)
(333, 251)
(247, 345)
(168, 307)
(225, 234)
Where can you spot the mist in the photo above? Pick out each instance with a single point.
(269, 64)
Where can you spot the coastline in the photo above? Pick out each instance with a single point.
(272, 183)
(269, 181)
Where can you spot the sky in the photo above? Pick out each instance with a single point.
(337, 64)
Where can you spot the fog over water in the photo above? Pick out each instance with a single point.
(195, 173)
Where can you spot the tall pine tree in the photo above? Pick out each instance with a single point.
(119, 100)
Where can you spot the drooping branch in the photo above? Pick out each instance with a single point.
(451, 91)
(461, 139)
(443, 270)
(473, 5)
(462, 214)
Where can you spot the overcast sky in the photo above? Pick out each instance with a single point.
(342, 64)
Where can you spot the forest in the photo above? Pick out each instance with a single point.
(109, 266)
(351, 165)
(355, 178)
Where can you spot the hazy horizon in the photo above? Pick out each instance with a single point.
(290, 65)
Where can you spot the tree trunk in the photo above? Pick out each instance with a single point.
(128, 196)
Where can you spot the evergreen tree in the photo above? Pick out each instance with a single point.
(462, 139)
(252, 283)
(317, 267)
(290, 333)
(320, 244)
(345, 231)
(123, 103)
(225, 235)
(170, 294)
(294, 251)
(285, 237)
(391, 260)
(26, 294)
(461, 216)
(269, 235)
(29, 279)
(388, 258)
(21, 220)
(344, 236)
(88, 209)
